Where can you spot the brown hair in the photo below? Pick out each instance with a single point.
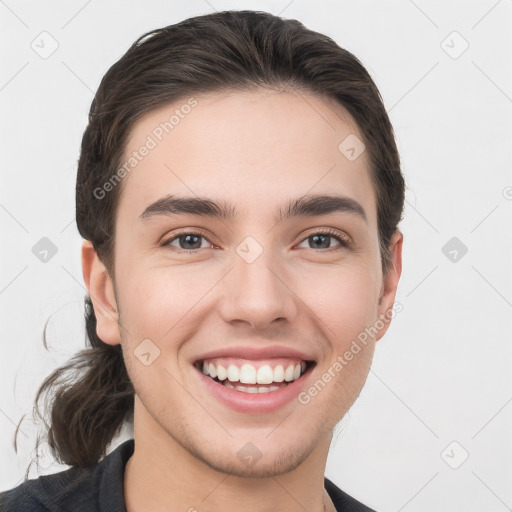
(230, 50)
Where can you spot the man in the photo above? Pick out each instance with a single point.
(246, 258)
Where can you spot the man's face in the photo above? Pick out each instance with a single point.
(237, 286)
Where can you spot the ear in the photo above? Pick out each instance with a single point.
(390, 282)
(101, 290)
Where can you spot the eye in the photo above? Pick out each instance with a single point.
(187, 242)
(322, 239)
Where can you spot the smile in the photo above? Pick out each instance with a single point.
(253, 376)
(254, 386)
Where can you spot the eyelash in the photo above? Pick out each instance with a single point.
(344, 241)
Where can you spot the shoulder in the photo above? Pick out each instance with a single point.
(342, 501)
(95, 488)
(48, 492)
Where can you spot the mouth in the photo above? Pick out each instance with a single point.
(254, 376)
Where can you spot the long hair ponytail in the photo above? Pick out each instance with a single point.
(93, 400)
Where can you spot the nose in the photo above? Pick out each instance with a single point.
(257, 293)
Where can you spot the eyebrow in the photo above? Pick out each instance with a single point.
(310, 206)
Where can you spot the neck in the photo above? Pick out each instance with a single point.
(162, 475)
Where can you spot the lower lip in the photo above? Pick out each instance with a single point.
(255, 402)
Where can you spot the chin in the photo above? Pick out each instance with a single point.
(250, 462)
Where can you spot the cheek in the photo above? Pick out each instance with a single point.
(167, 305)
(344, 304)
(156, 305)
(157, 300)
(164, 291)
(344, 299)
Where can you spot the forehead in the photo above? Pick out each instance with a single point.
(249, 147)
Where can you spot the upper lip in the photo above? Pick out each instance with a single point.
(256, 353)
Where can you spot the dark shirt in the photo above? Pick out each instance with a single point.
(100, 488)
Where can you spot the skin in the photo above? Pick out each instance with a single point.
(257, 149)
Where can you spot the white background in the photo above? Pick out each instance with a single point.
(442, 372)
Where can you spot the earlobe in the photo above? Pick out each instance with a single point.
(101, 290)
(390, 281)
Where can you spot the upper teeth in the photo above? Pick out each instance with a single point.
(248, 374)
